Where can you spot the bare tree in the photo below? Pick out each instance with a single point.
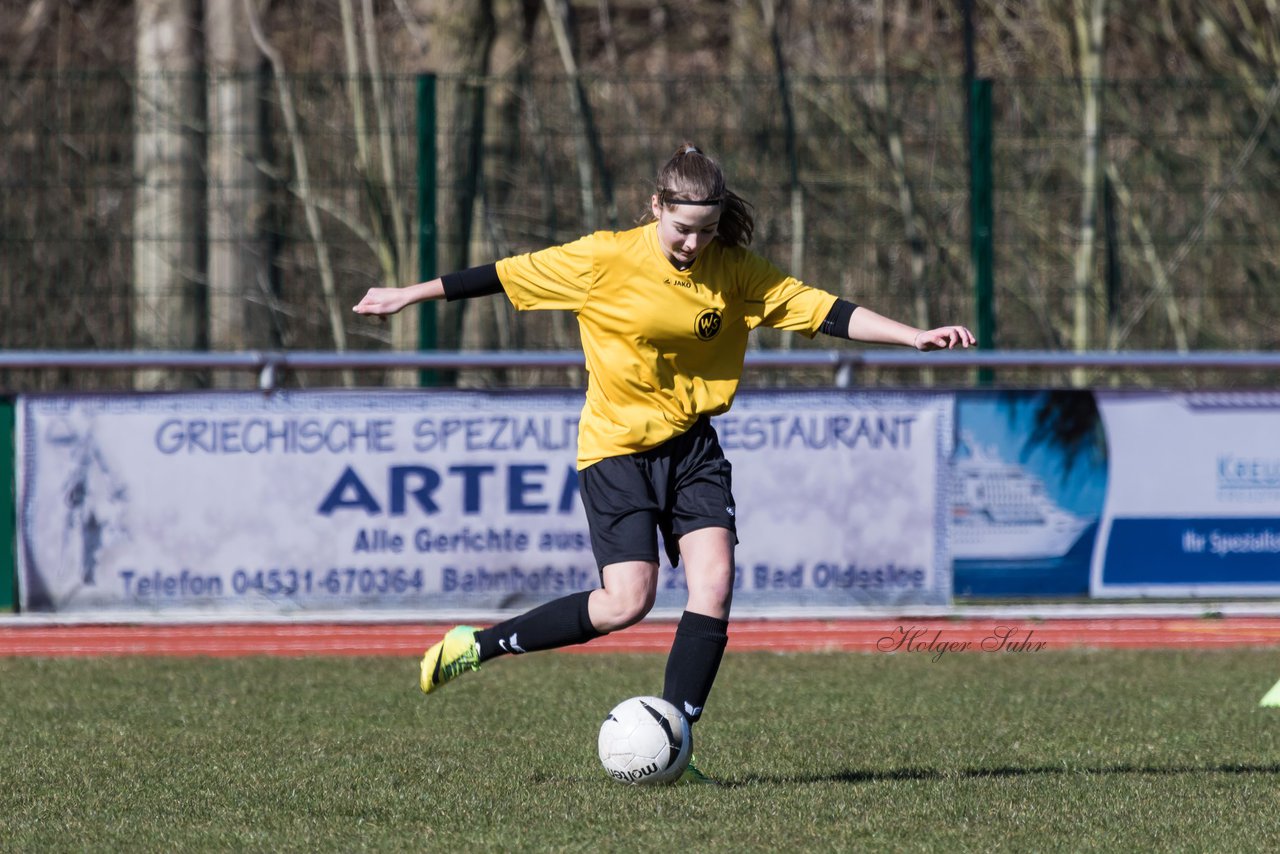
(1188, 160)
(1090, 23)
(302, 186)
(34, 22)
(892, 140)
(487, 323)
(387, 233)
(376, 171)
(167, 218)
(772, 27)
(1227, 41)
(590, 153)
(469, 38)
(241, 299)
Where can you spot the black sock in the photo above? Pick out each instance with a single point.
(693, 662)
(561, 622)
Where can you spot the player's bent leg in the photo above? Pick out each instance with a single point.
(455, 654)
(628, 591)
(627, 595)
(702, 633)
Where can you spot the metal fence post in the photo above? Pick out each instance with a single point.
(427, 335)
(8, 510)
(980, 218)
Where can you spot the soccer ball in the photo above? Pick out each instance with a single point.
(645, 740)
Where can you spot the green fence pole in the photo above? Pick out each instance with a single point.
(980, 218)
(427, 335)
(8, 510)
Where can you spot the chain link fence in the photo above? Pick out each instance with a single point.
(861, 186)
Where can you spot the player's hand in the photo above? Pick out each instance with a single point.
(379, 302)
(945, 338)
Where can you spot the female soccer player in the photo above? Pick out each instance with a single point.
(664, 311)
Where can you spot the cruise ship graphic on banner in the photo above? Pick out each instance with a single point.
(1002, 512)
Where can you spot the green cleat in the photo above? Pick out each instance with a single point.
(693, 775)
(456, 653)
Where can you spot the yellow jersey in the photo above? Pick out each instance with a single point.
(663, 346)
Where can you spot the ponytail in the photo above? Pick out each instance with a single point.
(737, 223)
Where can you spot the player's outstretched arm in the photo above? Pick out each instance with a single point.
(379, 302)
(866, 325)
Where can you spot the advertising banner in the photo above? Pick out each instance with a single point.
(449, 503)
(1193, 496)
(1028, 482)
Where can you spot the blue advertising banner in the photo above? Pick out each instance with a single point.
(1028, 480)
(1193, 499)
(450, 503)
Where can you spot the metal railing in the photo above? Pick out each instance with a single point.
(843, 364)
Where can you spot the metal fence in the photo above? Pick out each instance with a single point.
(866, 192)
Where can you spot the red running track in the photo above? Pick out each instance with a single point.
(923, 637)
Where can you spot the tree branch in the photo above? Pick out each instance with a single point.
(328, 287)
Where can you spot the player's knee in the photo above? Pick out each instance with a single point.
(712, 589)
(622, 608)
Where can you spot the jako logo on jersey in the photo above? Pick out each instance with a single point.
(707, 326)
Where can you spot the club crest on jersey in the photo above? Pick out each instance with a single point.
(707, 326)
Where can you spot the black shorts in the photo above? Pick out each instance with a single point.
(683, 485)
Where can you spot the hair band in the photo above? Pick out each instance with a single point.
(666, 198)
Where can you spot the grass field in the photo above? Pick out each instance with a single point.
(1051, 751)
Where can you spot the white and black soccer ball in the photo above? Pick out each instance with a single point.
(645, 740)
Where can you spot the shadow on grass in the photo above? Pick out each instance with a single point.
(926, 774)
